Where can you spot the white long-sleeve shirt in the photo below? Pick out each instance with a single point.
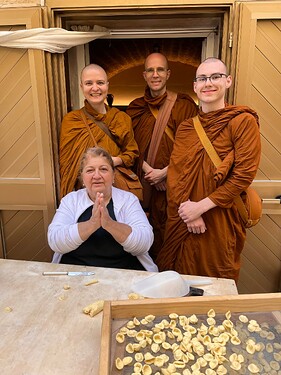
(63, 234)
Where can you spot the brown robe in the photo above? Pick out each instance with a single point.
(75, 139)
(234, 133)
(143, 124)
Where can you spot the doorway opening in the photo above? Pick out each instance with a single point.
(123, 60)
(184, 35)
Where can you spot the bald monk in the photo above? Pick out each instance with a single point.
(75, 138)
(204, 234)
(155, 118)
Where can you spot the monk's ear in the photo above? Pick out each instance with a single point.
(144, 76)
(228, 81)
(194, 87)
(168, 74)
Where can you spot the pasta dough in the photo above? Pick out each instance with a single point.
(94, 308)
(91, 282)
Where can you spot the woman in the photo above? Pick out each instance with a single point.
(84, 128)
(101, 225)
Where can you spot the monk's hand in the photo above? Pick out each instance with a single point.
(161, 186)
(117, 161)
(154, 176)
(197, 226)
(190, 211)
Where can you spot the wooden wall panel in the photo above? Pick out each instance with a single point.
(261, 256)
(25, 236)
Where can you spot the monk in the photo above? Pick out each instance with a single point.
(75, 137)
(204, 233)
(155, 140)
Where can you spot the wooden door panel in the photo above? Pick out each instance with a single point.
(10, 118)
(15, 161)
(267, 36)
(9, 58)
(27, 199)
(258, 84)
(271, 160)
(269, 117)
(15, 83)
(267, 80)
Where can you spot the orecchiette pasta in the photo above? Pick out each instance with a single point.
(194, 345)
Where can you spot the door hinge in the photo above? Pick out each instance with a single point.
(230, 40)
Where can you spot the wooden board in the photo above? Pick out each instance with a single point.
(126, 310)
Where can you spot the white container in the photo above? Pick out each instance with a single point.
(166, 284)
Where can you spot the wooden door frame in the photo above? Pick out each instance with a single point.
(57, 10)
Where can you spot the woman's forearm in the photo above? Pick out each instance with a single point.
(119, 231)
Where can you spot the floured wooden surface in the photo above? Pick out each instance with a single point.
(43, 329)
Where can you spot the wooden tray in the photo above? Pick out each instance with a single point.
(123, 311)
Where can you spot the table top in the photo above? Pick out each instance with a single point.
(43, 329)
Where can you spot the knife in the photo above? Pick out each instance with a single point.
(58, 273)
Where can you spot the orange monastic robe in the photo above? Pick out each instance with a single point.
(75, 139)
(234, 133)
(143, 124)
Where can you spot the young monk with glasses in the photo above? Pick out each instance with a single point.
(204, 233)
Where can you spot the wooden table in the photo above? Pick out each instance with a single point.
(46, 332)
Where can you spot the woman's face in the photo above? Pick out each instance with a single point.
(97, 176)
(94, 85)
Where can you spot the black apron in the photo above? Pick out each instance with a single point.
(101, 249)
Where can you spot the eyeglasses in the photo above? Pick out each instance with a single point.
(160, 71)
(214, 78)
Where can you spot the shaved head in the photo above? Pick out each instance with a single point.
(158, 56)
(95, 67)
(214, 60)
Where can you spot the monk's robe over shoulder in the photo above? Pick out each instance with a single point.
(75, 139)
(234, 133)
(143, 121)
